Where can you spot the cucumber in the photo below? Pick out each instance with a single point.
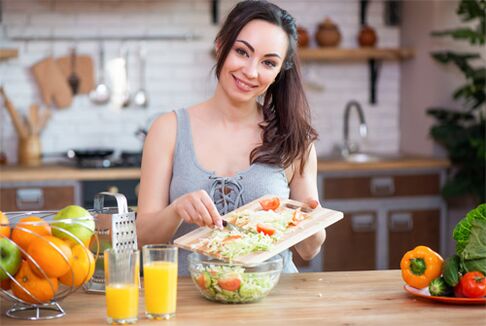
(451, 270)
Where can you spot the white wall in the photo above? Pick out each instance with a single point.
(179, 71)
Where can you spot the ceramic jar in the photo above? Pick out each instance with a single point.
(328, 34)
(367, 36)
(302, 37)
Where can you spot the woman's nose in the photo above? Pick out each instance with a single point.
(250, 69)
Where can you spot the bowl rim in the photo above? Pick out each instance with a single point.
(195, 258)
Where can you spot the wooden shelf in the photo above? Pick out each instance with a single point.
(334, 54)
(8, 53)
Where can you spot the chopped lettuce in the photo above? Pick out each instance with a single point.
(252, 286)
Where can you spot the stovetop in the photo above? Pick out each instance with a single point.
(126, 159)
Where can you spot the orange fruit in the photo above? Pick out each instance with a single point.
(82, 267)
(51, 254)
(4, 225)
(41, 289)
(5, 284)
(27, 230)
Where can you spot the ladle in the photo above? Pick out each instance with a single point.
(101, 93)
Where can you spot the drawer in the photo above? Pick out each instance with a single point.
(381, 186)
(36, 198)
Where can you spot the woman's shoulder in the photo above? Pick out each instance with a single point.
(164, 121)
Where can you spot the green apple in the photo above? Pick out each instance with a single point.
(10, 258)
(76, 220)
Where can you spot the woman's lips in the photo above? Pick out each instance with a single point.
(242, 86)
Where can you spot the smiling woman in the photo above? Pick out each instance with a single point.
(208, 159)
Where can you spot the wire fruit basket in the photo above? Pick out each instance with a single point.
(45, 256)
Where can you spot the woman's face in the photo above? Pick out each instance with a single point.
(254, 60)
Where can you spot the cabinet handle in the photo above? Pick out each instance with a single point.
(29, 198)
(382, 186)
(400, 222)
(363, 223)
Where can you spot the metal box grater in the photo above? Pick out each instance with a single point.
(115, 228)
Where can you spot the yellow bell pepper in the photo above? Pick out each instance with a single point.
(420, 266)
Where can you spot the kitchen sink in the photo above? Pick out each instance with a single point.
(362, 157)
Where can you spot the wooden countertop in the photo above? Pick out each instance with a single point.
(390, 163)
(12, 173)
(346, 298)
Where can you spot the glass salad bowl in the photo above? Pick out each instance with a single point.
(233, 283)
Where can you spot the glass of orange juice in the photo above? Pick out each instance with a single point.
(122, 283)
(160, 280)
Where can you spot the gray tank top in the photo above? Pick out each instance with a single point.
(228, 193)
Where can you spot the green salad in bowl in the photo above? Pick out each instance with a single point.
(234, 283)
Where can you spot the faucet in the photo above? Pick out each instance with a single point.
(349, 147)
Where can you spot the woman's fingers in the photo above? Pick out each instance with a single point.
(202, 212)
(212, 211)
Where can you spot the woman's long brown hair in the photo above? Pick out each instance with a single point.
(287, 131)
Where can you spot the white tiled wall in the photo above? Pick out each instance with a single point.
(179, 72)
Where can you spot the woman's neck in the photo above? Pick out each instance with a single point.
(233, 112)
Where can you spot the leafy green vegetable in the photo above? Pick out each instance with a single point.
(450, 270)
(462, 231)
(476, 246)
(472, 265)
(439, 287)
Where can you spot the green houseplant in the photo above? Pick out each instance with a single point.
(462, 131)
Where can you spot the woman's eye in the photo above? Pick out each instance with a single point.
(270, 64)
(241, 52)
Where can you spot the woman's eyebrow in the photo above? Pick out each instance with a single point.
(253, 50)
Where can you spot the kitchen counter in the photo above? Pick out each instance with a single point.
(15, 173)
(349, 298)
(62, 172)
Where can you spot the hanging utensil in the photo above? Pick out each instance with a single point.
(141, 97)
(73, 79)
(101, 93)
(126, 93)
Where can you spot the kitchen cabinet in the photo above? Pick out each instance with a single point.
(386, 213)
(38, 196)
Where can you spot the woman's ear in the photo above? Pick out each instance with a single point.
(217, 47)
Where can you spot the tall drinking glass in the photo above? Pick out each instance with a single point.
(122, 283)
(160, 280)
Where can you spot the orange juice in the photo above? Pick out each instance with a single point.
(122, 301)
(160, 282)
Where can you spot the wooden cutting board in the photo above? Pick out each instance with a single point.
(52, 83)
(318, 219)
(84, 69)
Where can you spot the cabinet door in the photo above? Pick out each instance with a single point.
(408, 229)
(350, 243)
(36, 198)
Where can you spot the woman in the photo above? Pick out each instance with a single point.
(201, 162)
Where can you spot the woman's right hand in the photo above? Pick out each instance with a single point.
(198, 208)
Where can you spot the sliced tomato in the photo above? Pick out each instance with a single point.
(202, 281)
(231, 238)
(265, 229)
(229, 284)
(270, 203)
